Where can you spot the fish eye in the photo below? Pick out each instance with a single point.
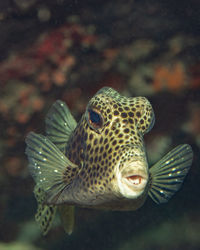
(95, 119)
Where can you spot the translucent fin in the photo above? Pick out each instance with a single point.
(67, 217)
(168, 174)
(45, 214)
(48, 165)
(59, 124)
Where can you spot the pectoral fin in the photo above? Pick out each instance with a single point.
(49, 167)
(59, 125)
(167, 175)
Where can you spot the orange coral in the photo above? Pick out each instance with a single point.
(171, 78)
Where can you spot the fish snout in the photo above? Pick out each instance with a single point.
(133, 176)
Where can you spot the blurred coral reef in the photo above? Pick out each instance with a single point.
(73, 50)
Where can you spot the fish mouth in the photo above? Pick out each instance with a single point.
(132, 179)
(135, 179)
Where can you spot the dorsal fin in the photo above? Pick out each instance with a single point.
(59, 124)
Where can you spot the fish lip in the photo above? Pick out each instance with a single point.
(133, 179)
(131, 173)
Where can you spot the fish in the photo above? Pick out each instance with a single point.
(101, 161)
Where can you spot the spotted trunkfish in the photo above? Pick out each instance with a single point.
(100, 162)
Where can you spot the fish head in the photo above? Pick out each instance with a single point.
(114, 157)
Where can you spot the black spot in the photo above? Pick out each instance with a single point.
(101, 149)
(91, 136)
(95, 159)
(130, 120)
(106, 131)
(126, 130)
(81, 173)
(138, 114)
(96, 149)
(110, 134)
(116, 131)
(110, 150)
(123, 115)
(106, 140)
(108, 110)
(95, 141)
(141, 121)
(114, 142)
(116, 112)
(130, 114)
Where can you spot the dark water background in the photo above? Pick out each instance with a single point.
(67, 50)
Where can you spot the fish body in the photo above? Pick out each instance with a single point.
(100, 162)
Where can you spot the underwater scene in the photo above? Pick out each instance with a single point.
(100, 125)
